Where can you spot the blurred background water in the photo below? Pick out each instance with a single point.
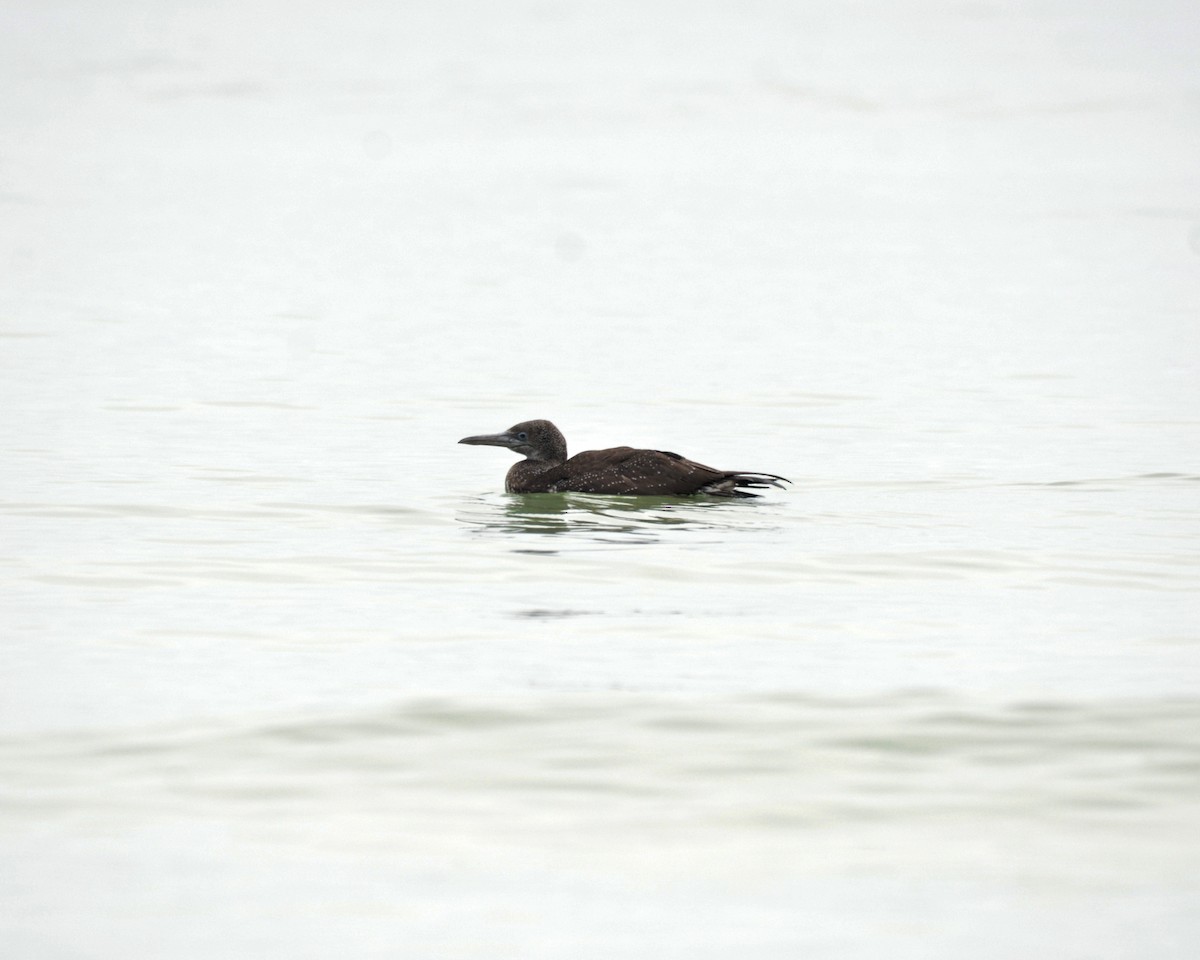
(286, 673)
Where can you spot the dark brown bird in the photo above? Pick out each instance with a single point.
(546, 468)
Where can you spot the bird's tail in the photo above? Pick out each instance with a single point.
(732, 484)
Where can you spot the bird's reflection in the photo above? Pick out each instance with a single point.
(611, 519)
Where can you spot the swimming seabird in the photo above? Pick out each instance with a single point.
(546, 468)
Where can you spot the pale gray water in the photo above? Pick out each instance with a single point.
(286, 674)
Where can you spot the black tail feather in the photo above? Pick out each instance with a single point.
(732, 483)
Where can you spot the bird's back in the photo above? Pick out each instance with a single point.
(627, 470)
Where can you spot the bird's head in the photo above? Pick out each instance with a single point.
(533, 439)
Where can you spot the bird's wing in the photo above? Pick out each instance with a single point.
(631, 471)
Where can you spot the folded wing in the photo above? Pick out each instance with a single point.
(626, 470)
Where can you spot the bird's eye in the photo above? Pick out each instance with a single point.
(522, 435)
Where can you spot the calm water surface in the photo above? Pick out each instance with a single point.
(286, 673)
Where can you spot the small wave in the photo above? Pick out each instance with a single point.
(732, 762)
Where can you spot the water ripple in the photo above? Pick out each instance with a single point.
(611, 519)
(750, 761)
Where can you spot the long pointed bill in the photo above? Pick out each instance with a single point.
(492, 440)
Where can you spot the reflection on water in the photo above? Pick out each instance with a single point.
(603, 518)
